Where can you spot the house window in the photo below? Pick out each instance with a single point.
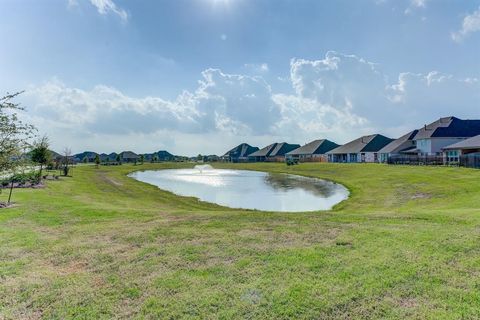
(452, 156)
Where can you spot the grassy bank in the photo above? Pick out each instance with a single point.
(101, 245)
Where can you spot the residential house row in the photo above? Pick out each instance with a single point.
(448, 139)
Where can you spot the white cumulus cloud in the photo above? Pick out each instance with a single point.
(470, 24)
(338, 97)
(108, 6)
(414, 5)
(103, 7)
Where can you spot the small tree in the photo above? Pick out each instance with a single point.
(85, 159)
(14, 136)
(97, 160)
(40, 154)
(14, 133)
(119, 160)
(67, 153)
(142, 158)
(154, 159)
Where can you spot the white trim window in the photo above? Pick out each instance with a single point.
(452, 156)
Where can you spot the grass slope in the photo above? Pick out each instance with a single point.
(101, 245)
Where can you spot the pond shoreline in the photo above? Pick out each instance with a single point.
(248, 189)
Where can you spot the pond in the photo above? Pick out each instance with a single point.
(248, 189)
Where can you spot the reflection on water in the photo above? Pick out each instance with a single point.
(248, 189)
(285, 182)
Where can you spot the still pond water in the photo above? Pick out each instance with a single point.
(248, 189)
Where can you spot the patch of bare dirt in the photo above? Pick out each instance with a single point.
(420, 195)
(109, 180)
(4, 205)
(113, 181)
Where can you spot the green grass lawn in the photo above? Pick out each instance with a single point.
(101, 245)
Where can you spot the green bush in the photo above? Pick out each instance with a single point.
(21, 179)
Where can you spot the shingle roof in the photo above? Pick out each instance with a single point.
(320, 146)
(400, 144)
(449, 127)
(411, 150)
(471, 143)
(240, 151)
(164, 154)
(282, 148)
(264, 152)
(371, 143)
(275, 149)
(128, 155)
(87, 154)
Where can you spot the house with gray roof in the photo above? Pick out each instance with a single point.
(240, 153)
(274, 152)
(161, 156)
(112, 156)
(313, 151)
(432, 138)
(363, 149)
(453, 152)
(401, 146)
(129, 156)
(89, 155)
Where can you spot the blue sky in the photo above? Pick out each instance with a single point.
(200, 76)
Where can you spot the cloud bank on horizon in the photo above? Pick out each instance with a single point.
(273, 82)
(338, 97)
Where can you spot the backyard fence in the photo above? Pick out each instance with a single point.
(416, 160)
(468, 161)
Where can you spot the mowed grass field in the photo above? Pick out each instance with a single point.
(100, 245)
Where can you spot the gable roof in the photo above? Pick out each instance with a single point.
(113, 156)
(264, 152)
(88, 154)
(275, 149)
(449, 127)
(128, 155)
(371, 143)
(471, 143)
(242, 150)
(320, 146)
(282, 148)
(164, 154)
(401, 144)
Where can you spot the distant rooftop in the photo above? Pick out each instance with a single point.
(320, 146)
(371, 143)
(264, 152)
(449, 127)
(275, 149)
(401, 144)
(241, 151)
(471, 143)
